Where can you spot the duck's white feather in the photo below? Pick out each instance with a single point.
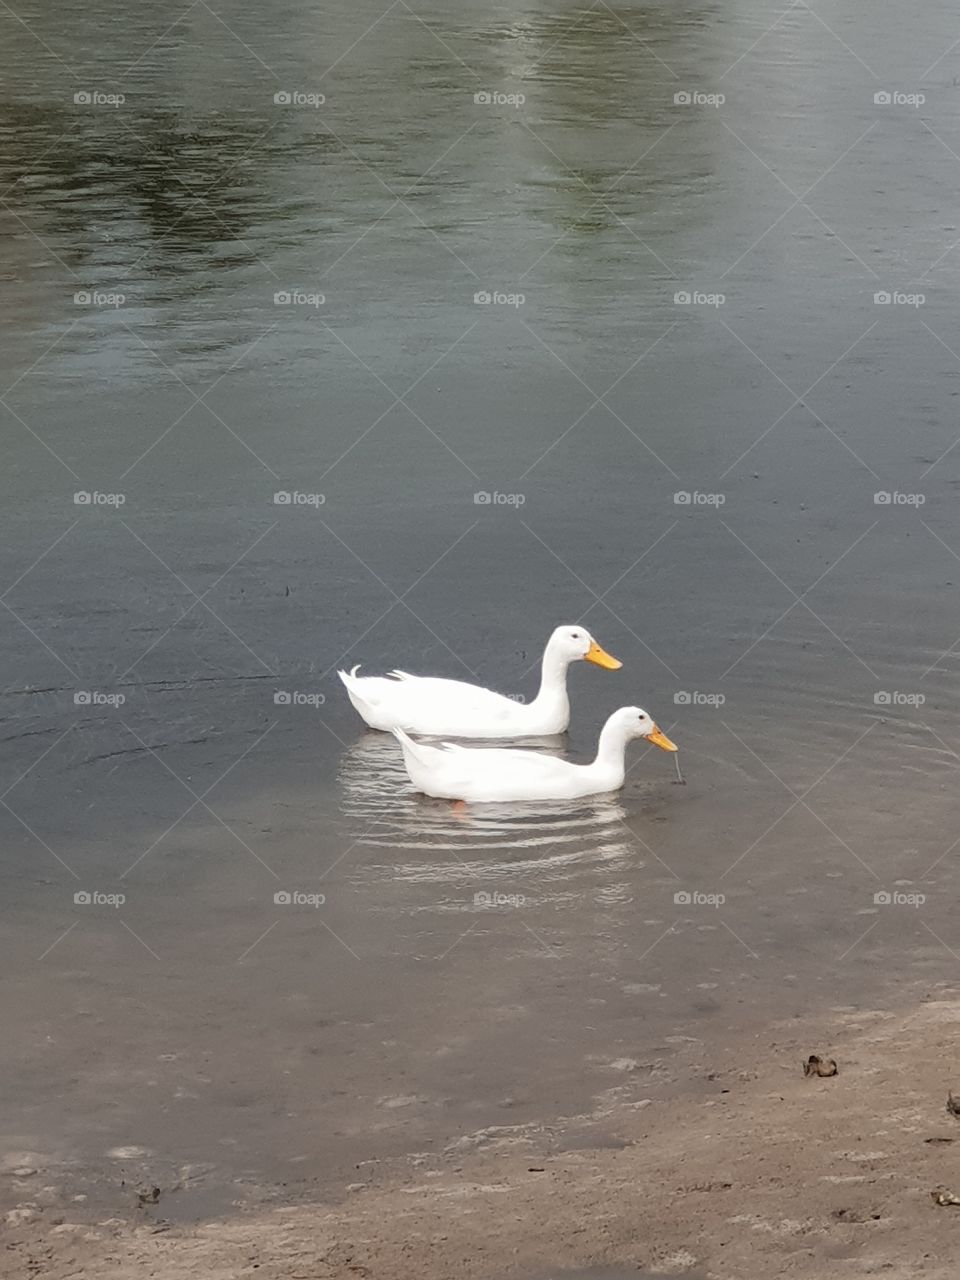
(436, 707)
(478, 773)
(456, 772)
(432, 706)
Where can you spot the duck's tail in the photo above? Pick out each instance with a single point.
(417, 752)
(407, 744)
(361, 690)
(349, 678)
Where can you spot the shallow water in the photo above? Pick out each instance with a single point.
(496, 967)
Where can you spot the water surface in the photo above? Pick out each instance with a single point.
(497, 967)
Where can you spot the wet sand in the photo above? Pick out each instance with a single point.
(759, 1171)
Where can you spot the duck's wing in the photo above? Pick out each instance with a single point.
(494, 762)
(428, 705)
(401, 688)
(455, 696)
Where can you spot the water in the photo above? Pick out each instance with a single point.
(492, 967)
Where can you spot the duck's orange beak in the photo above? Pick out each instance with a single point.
(601, 657)
(661, 740)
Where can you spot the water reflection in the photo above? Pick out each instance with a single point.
(199, 199)
(559, 836)
(151, 182)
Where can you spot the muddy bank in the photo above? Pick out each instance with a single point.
(757, 1171)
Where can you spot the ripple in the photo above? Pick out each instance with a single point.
(377, 795)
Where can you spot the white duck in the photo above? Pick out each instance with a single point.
(426, 705)
(498, 774)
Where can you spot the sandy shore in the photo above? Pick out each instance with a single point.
(761, 1173)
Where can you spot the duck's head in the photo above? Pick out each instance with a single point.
(569, 644)
(635, 723)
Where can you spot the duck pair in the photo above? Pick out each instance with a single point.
(403, 704)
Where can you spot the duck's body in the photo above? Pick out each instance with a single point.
(436, 707)
(470, 773)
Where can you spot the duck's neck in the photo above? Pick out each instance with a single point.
(552, 698)
(611, 754)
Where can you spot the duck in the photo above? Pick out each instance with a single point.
(494, 774)
(435, 707)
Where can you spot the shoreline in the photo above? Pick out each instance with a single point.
(765, 1172)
